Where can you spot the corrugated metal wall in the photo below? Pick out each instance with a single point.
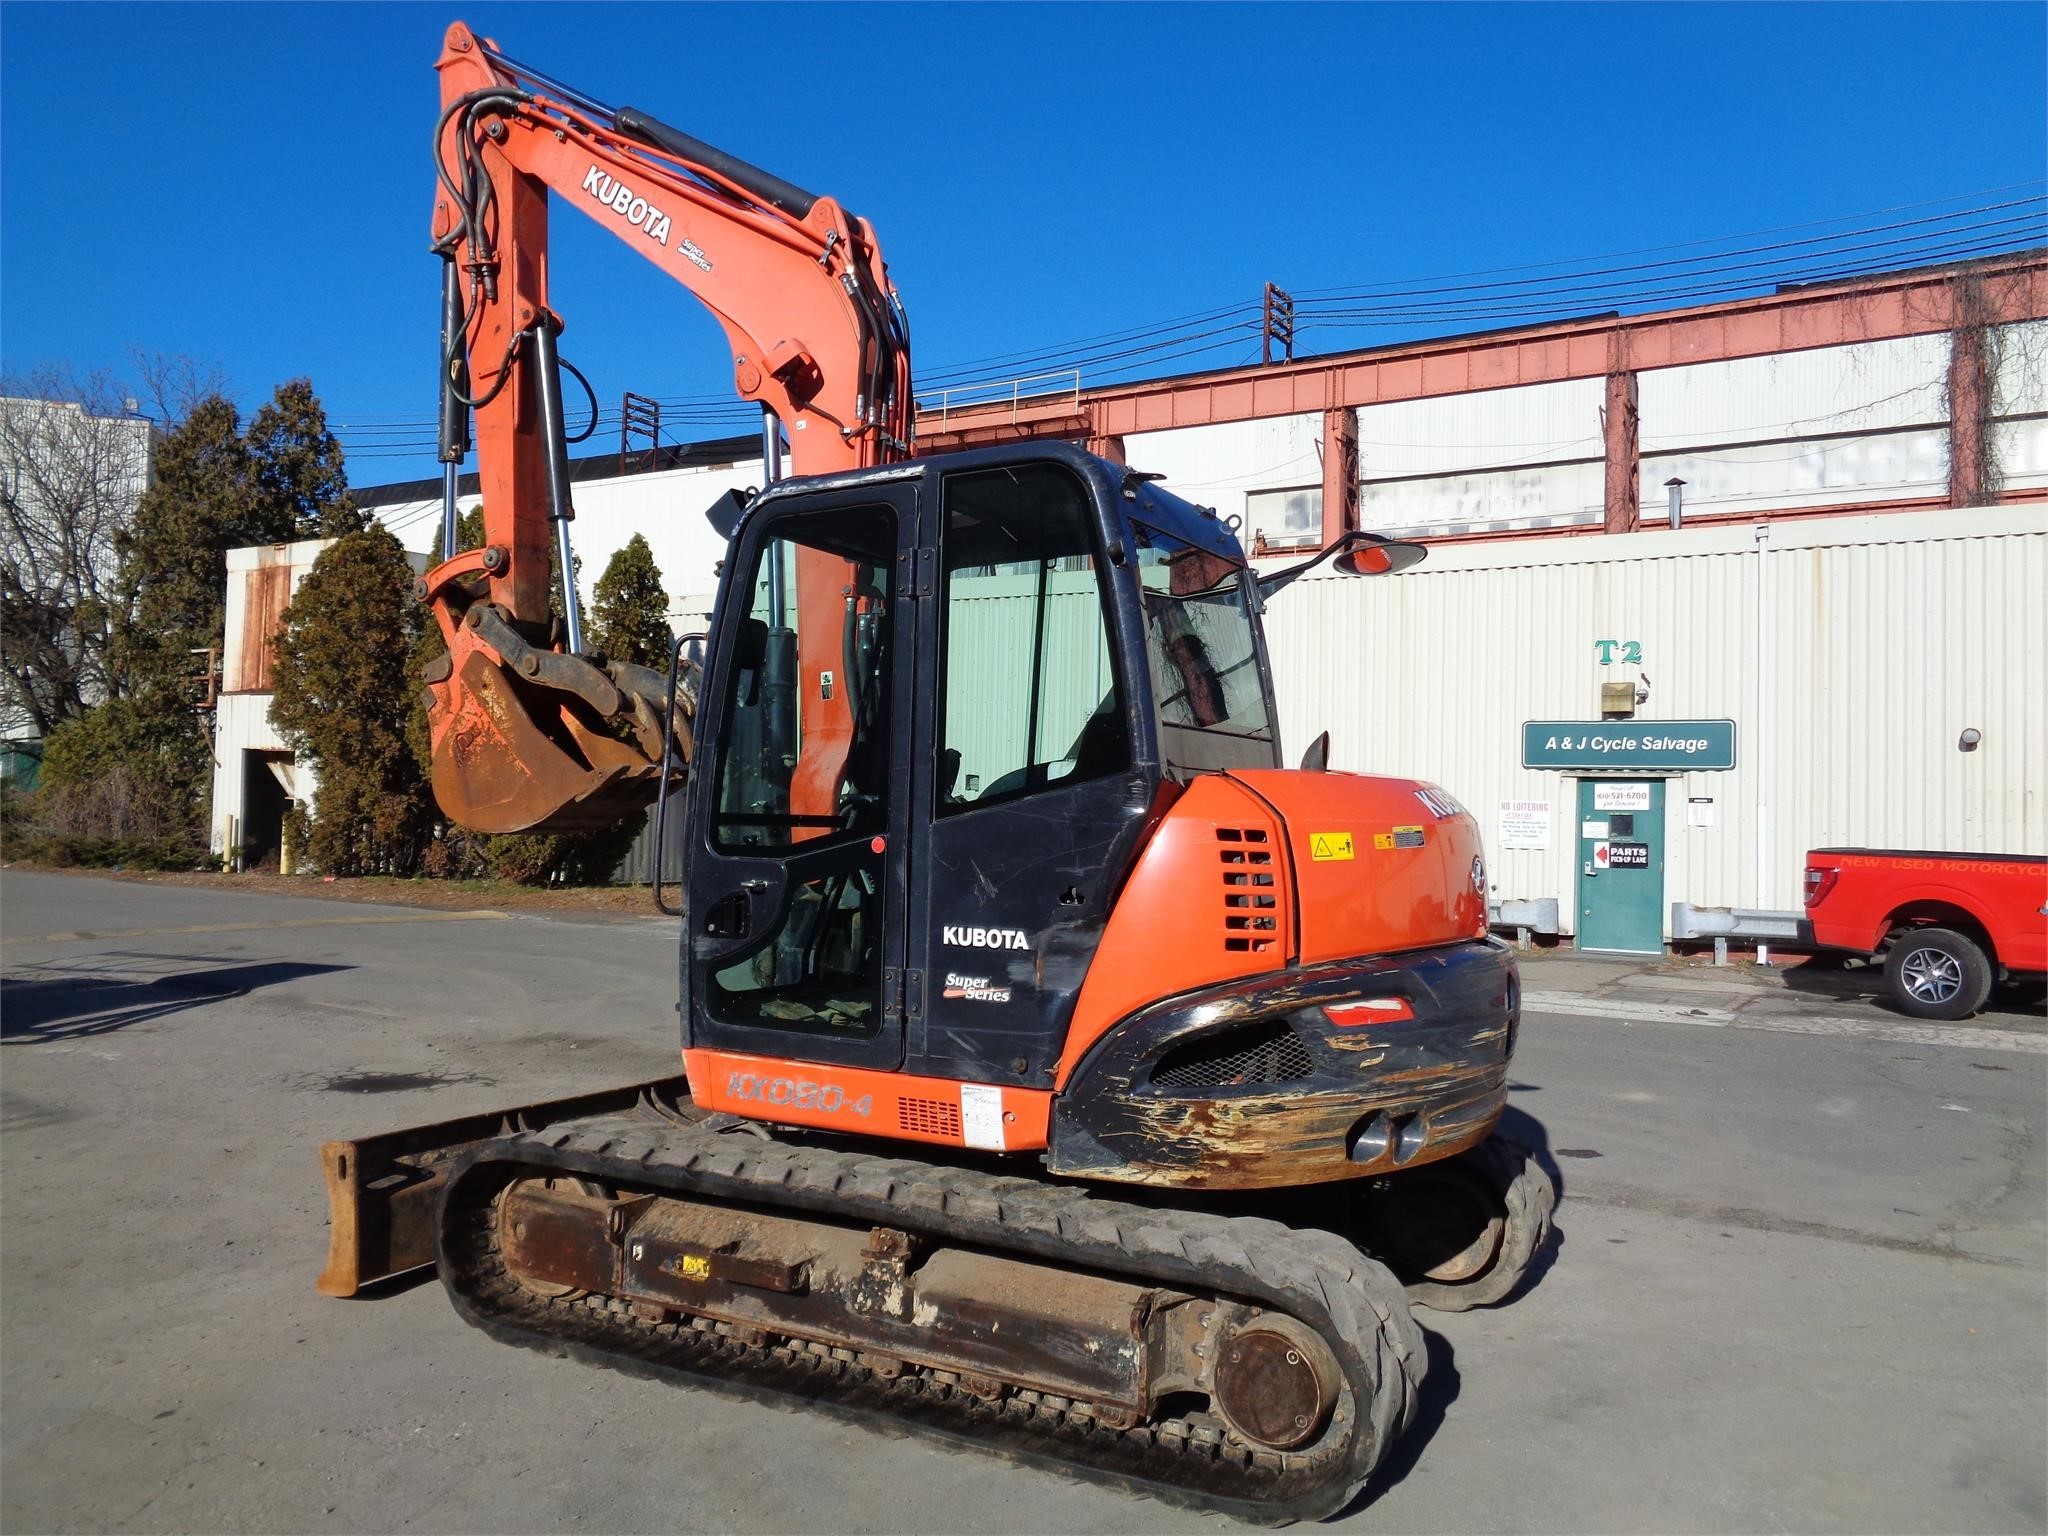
(1885, 638)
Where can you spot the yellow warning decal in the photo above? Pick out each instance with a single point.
(1329, 845)
(694, 1266)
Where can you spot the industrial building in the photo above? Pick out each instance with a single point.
(256, 774)
(1705, 587)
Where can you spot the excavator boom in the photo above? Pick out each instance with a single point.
(531, 730)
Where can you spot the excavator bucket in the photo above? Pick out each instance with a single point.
(533, 740)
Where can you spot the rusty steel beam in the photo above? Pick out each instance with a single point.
(1340, 472)
(1620, 422)
(2000, 291)
(1969, 403)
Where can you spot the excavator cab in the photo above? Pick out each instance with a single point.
(946, 703)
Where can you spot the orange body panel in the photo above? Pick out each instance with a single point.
(866, 1103)
(1395, 870)
(822, 581)
(1209, 900)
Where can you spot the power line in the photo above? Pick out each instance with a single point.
(1721, 267)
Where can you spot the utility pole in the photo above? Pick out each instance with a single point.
(639, 415)
(1277, 330)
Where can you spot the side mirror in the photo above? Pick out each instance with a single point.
(1357, 553)
(726, 513)
(1380, 557)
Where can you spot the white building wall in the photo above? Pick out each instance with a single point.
(1865, 423)
(666, 506)
(1218, 466)
(1887, 636)
(1824, 427)
(241, 720)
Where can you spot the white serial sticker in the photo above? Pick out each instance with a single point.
(981, 1116)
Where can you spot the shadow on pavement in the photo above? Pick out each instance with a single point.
(1439, 1391)
(1850, 980)
(74, 1005)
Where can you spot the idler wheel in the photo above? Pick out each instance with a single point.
(1442, 1222)
(1276, 1383)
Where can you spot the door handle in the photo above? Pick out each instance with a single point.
(729, 918)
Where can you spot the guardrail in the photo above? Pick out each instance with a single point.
(1527, 918)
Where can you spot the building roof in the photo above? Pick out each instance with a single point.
(597, 466)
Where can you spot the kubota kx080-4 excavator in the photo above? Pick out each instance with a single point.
(997, 895)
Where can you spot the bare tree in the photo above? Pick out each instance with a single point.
(73, 460)
(169, 384)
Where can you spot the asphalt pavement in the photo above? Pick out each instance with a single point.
(1800, 1280)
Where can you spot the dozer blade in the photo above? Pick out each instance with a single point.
(532, 740)
(383, 1191)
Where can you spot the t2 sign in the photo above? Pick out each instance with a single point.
(1631, 652)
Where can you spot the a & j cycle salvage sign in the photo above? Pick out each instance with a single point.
(1630, 746)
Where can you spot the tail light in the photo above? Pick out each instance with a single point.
(1368, 1010)
(1820, 879)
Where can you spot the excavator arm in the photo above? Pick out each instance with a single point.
(531, 730)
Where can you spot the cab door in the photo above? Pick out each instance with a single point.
(796, 869)
(1031, 795)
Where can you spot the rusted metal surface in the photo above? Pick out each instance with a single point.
(1865, 309)
(1340, 472)
(1621, 424)
(1376, 1096)
(1969, 404)
(878, 1293)
(528, 739)
(1275, 1383)
(266, 591)
(382, 1190)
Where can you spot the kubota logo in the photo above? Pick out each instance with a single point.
(634, 209)
(983, 938)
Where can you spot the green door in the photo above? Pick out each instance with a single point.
(1621, 865)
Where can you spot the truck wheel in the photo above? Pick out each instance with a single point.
(1937, 973)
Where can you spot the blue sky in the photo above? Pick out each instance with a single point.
(250, 185)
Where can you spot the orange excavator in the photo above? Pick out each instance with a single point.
(1060, 1072)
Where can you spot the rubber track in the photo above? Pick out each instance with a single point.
(1531, 1199)
(1352, 1301)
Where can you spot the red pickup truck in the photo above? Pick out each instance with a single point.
(1947, 924)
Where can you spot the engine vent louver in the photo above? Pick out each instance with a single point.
(1251, 904)
(929, 1117)
(1261, 1053)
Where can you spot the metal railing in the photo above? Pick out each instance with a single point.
(965, 395)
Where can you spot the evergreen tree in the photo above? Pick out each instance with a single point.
(298, 465)
(629, 611)
(214, 488)
(170, 602)
(344, 694)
